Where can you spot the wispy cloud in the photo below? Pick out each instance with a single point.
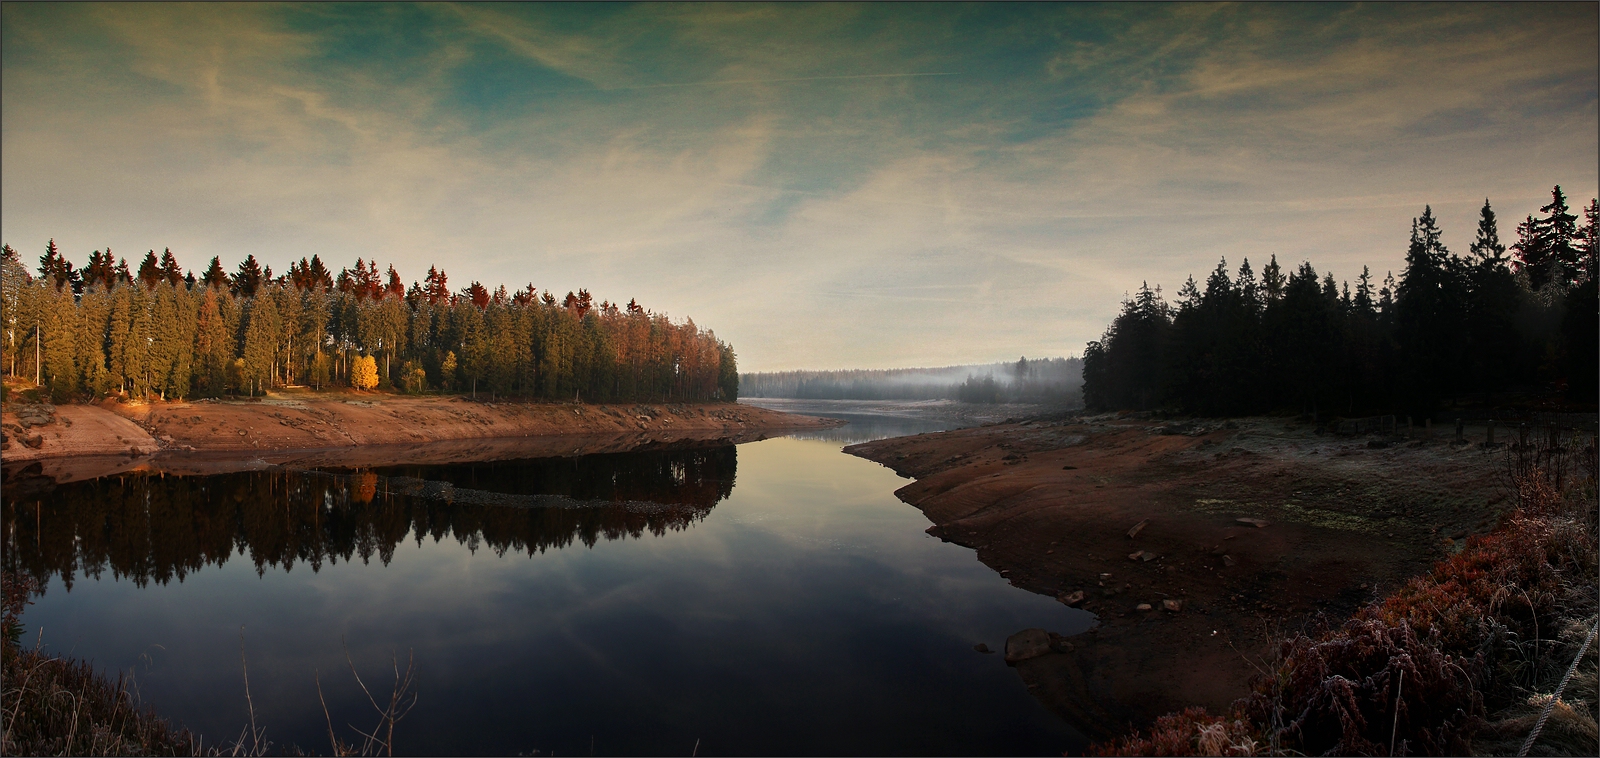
(824, 185)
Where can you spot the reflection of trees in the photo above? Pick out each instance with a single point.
(151, 527)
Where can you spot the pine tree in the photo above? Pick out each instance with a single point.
(213, 348)
(1272, 281)
(1487, 246)
(215, 276)
(248, 279)
(59, 334)
(150, 271)
(261, 337)
(170, 270)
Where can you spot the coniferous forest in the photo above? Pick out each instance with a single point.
(159, 332)
(1498, 320)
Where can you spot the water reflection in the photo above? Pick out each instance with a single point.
(804, 612)
(156, 528)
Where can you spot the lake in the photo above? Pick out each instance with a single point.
(769, 598)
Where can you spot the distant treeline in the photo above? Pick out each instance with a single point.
(103, 330)
(1026, 381)
(1450, 326)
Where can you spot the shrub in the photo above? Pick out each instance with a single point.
(364, 373)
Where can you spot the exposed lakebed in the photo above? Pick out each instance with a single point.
(772, 597)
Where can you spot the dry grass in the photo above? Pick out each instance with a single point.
(1460, 661)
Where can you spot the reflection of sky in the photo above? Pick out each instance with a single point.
(808, 613)
(826, 185)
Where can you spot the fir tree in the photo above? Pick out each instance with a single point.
(150, 270)
(248, 279)
(1487, 246)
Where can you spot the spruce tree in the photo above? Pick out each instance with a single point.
(150, 271)
(1487, 246)
(215, 276)
(261, 337)
(248, 279)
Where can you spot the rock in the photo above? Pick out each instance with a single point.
(1073, 599)
(1255, 522)
(1218, 550)
(1227, 560)
(1069, 468)
(1172, 605)
(1139, 527)
(982, 648)
(1148, 556)
(1059, 643)
(1142, 607)
(34, 441)
(1026, 644)
(1135, 555)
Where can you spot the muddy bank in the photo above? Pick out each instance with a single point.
(348, 429)
(1188, 601)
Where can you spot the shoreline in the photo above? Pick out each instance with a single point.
(72, 442)
(1050, 504)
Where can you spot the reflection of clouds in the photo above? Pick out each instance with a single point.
(752, 165)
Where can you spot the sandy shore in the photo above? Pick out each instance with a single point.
(1050, 505)
(358, 429)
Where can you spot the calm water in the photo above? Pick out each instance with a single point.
(773, 598)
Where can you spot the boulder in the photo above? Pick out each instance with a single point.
(34, 441)
(1073, 599)
(1026, 644)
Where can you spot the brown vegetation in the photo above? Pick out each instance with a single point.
(1459, 661)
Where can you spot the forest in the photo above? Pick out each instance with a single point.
(160, 332)
(1040, 380)
(1498, 323)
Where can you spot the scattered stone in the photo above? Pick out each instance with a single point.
(1227, 560)
(1218, 550)
(1148, 556)
(1255, 522)
(1172, 605)
(1142, 607)
(34, 441)
(982, 648)
(1139, 527)
(1028, 643)
(1135, 555)
(1072, 599)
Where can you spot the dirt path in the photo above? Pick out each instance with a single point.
(1051, 505)
(356, 429)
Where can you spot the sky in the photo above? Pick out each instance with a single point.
(824, 186)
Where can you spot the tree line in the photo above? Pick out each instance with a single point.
(1494, 321)
(160, 332)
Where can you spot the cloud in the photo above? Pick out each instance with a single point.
(824, 185)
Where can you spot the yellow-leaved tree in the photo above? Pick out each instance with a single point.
(364, 373)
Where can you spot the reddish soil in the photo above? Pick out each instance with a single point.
(362, 429)
(1051, 503)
